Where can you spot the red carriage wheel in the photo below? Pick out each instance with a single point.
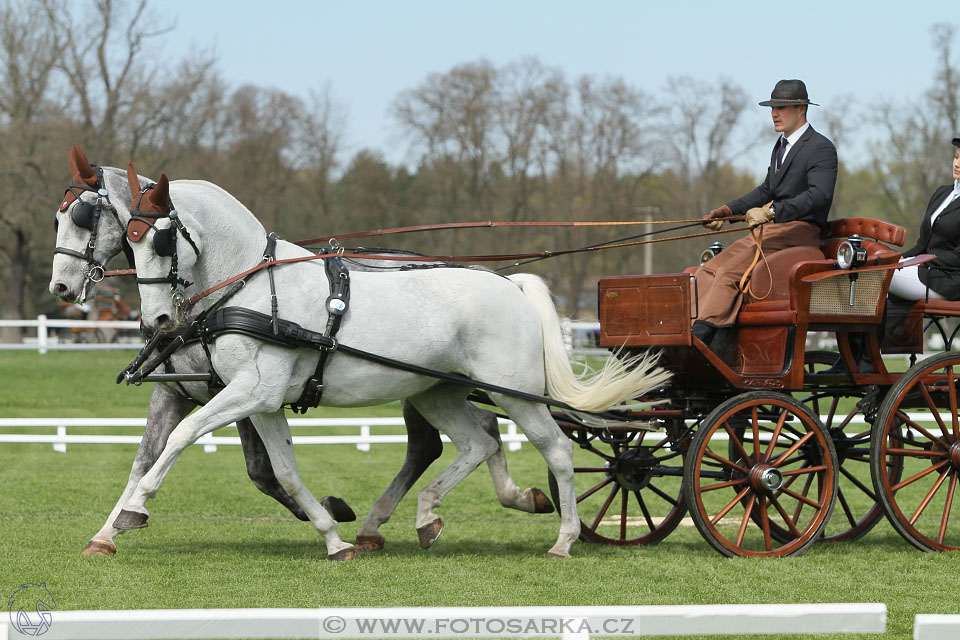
(857, 510)
(919, 504)
(739, 499)
(628, 484)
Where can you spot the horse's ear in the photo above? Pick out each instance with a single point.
(159, 196)
(80, 168)
(134, 185)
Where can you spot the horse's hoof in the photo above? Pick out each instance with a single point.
(130, 520)
(541, 503)
(100, 548)
(554, 554)
(429, 533)
(369, 544)
(343, 555)
(338, 509)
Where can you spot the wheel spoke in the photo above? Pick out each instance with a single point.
(917, 453)
(589, 492)
(803, 470)
(918, 427)
(789, 452)
(917, 476)
(755, 426)
(803, 498)
(849, 476)
(952, 394)
(765, 524)
(947, 506)
(736, 441)
(806, 490)
(623, 514)
(722, 485)
(662, 494)
(646, 512)
(933, 409)
(606, 505)
(927, 498)
(776, 436)
(846, 508)
(746, 518)
(729, 505)
(786, 517)
(727, 463)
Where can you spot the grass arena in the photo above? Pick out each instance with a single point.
(214, 541)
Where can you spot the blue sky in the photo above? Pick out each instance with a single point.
(368, 52)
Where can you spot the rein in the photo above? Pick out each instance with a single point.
(533, 256)
(493, 224)
(471, 259)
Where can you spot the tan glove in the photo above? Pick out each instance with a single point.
(719, 212)
(759, 215)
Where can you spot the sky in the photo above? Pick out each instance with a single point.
(368, 52)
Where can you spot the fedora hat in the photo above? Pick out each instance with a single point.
(788, 93)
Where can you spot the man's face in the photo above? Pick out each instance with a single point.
(786, 120)
(956, 165)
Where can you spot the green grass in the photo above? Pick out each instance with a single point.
(215, 541)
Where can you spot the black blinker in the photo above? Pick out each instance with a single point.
(165, 242)
(82, 215)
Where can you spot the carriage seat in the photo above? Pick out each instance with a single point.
(776, 307)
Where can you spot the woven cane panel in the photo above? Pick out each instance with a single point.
(832, 295)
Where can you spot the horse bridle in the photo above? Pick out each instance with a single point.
(164, 243)
(87, 216)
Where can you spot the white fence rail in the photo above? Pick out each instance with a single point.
(45, 341)
(568, 623)
(936, 627)
(363, 438)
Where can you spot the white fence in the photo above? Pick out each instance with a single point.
(568, 623)
(46, 341)
(363, 437)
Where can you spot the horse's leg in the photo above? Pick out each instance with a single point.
(543, 432)
(446, 406)
(167, 409)
(531, 500)
(259, 469)
(423, 447)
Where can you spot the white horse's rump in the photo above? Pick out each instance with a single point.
(460, 321)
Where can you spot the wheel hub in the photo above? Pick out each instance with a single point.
(766, 478)
(633, 468)
(955, 454)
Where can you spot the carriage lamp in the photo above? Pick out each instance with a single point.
(850, 253)
(711, 252)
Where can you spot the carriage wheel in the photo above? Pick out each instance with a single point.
(738, 500)
(628, 484)
(858, 509)
(920, 504)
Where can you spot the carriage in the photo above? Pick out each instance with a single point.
(770, 446)
(758, 439)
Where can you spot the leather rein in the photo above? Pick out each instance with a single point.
(537, 255)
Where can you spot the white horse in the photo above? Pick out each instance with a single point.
(473, 323)
(88, 238)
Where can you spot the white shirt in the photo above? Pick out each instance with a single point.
(792, 140)
(946, 201)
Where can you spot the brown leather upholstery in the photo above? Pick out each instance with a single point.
(780, 264)
(885, 232)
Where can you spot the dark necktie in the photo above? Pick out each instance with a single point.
(781, 151)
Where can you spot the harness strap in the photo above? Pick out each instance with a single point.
(338, 280)
(744, 285)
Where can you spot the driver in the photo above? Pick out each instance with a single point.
(791, 204)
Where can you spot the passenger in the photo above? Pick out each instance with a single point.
(939, 235)
(795, 195)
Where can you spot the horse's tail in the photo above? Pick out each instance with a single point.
(616, 382)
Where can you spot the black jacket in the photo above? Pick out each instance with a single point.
(943, 241)
(803, 188)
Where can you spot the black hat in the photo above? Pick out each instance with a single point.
(788, 93)
(956, 142)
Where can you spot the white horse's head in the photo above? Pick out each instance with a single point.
(163, 250)
(89, 232)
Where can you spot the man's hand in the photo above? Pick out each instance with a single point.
(719, 212)
(759, 215)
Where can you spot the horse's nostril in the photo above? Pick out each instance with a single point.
(60, 288)
(163, 322)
